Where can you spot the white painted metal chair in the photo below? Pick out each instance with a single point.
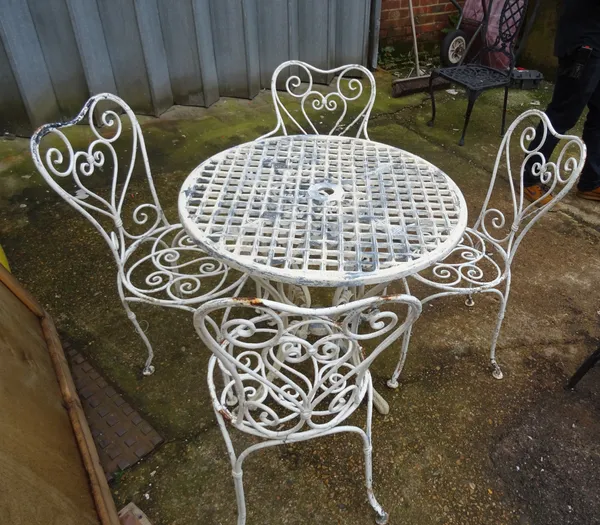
(318, 105)
(157, 262)
(481, 263)
(282, 385)
(343, 103)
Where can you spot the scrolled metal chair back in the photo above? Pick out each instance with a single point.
(507, 228)
(279, 379)
(337, 105)
(49, 144)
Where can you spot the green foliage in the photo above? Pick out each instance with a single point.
(401, 64)
(453, 22)
(389, 59)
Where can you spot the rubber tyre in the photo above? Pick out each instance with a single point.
(448, 53)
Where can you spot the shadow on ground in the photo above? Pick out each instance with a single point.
(549, 460)
(448, 451)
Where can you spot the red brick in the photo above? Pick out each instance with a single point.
(439, 8)
(399, 31)
(390, 15)
(391, 24)
(442, 17)
(427, 28)
(434, 17)
(430, 16)
(433, 36)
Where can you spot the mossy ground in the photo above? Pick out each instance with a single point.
(437, 456)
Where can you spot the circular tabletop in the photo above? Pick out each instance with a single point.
(322, 210)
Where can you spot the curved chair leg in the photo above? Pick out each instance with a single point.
(469, 301)
(496, 370)
(148, 369)
(472, 98)
(504, 111)
(393, 381)
(237, 461)
(382, 515)
(236, 469)
(239, 496)
(432, 77)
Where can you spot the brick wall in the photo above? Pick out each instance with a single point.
(431, 16)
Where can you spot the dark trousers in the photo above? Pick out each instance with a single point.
(570, 97)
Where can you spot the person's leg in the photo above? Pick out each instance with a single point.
(569, 99)
(590, 175)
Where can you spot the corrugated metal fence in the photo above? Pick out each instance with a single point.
(156, 53)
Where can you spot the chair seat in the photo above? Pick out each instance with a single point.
(476, 264)
(474, 77)
(168, 268)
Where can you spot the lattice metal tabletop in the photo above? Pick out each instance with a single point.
(323, 210)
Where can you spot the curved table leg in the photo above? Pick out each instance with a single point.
(381, 404)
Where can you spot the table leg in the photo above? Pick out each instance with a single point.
(380, 404)
(345, 295)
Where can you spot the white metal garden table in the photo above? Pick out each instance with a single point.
(322, 211)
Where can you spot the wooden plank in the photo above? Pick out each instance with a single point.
(122, 37)
(48, 365)
(105, 506)
(57, 40)
(179, 34)
(24, 52)
(11, 282)
(155, 55)
(13, 115)
(41, 475)
(87, 27)
(206, 51)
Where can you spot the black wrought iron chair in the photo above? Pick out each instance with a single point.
(477, 77)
